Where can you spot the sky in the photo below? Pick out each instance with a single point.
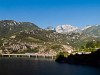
(46, 13)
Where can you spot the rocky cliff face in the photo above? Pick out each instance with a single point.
(66, 28)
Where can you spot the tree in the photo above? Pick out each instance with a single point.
(90, 44)
(97, 43)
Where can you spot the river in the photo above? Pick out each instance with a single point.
(26, 66)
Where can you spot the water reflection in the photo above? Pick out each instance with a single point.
(25, 66)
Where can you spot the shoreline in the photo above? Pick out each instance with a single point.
(92, 59)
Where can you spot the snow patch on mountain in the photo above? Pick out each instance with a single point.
(86, 27)
(66, 28)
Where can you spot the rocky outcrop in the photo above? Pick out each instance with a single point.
(65, 28)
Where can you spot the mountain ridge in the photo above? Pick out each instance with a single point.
(90, 29)
(11, 26)
(28, 37)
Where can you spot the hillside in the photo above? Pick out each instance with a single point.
(11, 26)
(93, 30)
(21, 37)
(27, 37)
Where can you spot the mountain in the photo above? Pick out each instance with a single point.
(66, 28)
(11, 26)
(92, 30)
(28, 37)
(86, 27)
(22, 37)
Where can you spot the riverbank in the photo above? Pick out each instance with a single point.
(92, 59)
